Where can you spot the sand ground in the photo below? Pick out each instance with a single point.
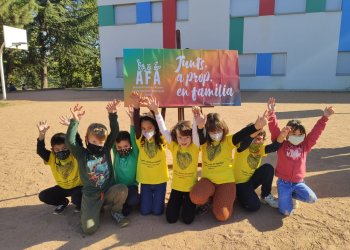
(27, 223)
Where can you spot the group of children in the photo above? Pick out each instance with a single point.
(95, 183)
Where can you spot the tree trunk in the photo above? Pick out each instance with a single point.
(43, 75)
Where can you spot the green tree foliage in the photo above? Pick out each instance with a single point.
(63, 45)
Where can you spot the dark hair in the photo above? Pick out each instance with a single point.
(296, 125)
(157, 136)
(123, 136)
(184, 128)
(58, 139)
(214, 122)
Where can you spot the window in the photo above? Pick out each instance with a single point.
(125, 14)
(333, 5)
(279, 64)
(181, 10)
(241, 8)
(343, 64)
(247, 64)
(120, 67)
(290, 6)
(157, 12)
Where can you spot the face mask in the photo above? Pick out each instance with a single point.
(216, 136)
(124, 152)
(148, 135)
(296, 139)
(62, 155)
(94, 149)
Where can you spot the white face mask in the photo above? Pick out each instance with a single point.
(296, 139)
(148, 135)
(216, 136)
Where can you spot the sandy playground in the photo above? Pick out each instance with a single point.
(27, 223)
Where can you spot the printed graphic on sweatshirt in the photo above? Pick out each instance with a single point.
(64, 168)
(294, 152)
(254, 157)
(183, 159)
(213, 151)
(98, 170)
(150, 148)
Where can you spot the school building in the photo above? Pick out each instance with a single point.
(282, 44)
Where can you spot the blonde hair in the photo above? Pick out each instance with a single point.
(97, 129)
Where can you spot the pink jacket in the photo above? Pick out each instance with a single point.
(291, 159)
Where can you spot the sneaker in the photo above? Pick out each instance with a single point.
(271, 200)
(203, 209)
(121, 220)
(59, 209)
(295, 204)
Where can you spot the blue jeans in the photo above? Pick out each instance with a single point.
(132, 200)
(152, 198)
(289, 190)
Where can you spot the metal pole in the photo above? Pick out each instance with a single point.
(2, 72)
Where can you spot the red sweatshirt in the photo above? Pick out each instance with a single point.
(291, 159)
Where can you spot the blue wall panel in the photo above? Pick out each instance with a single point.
(144, 12)
(263, 64)
(344, 39)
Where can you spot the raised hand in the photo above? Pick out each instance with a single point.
(65, 120)
(130, 113)
(261, 121)
(285, 131)
(153, 104)
(112, 106)
(43, 127)
(199, 117)
(136, 98)
(271, 103)
(77, 112)
(328, 111)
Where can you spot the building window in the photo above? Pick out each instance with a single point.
(279, 64)
(241, 8)
(290, 6)
(343, 64)
(120, 67)
(181, 10)
(333, 5)
(157, 12)
(247, 64)
(125, 14)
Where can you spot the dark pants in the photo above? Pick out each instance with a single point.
(246, 191)
(132, 200)
(177, 200)
(57, 196)
(152, 198)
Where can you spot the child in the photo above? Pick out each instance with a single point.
(218, 179)
(64, 168)
(250, 175)
(291, 159)
(96, 169)
(125, 163)
(152, 169)
(183, 142)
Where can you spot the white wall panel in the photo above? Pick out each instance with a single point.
(247, 64)
(333, 5)
(241, 8)
(290, 6)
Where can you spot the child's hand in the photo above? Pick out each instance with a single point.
(65, 120)
(130, 113)
(199, 117)
(136, 99)
(77, 112)
(112, 106)
(328, 111)
(261, 121)
(271, 103)
(283, 134)
(43, 127)
(153, 104)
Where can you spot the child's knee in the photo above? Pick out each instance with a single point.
(198, 199)
(90, 226)
(222, 214)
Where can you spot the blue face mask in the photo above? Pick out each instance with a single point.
(62, 155)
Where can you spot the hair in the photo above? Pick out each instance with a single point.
(97, 129)
(263, 132)
(296, 125)
(214, 122)
(58, 139)
(157, 136)
(185, 129)
(123, 136)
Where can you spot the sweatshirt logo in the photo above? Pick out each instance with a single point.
(294, 152)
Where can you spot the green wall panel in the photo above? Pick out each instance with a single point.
(236, 34)
(315, 5)
(106, 15)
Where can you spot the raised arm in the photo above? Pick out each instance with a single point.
(272, 120)
(136, 99)
(113, 123)
(65, 120)
(274, 146)
(199, 120)
(40, 145)
(77, 113)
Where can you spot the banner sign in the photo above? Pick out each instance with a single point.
(183, 77)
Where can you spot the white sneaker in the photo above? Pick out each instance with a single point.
(295, 204)
(271, 200)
